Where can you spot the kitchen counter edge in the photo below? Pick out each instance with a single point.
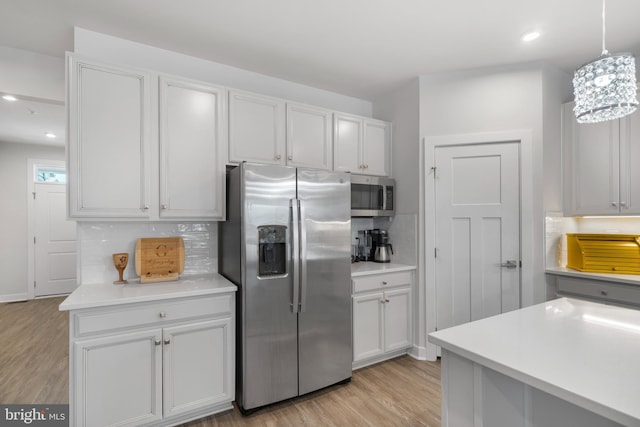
(368, 268)
(109, 294)
(628, 279)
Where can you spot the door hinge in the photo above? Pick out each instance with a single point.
(34, 240)
(34, 195)
(520, 263)
(435, 252)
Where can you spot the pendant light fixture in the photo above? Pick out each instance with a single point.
(605, 89)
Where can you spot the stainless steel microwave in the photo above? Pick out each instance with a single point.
(372, 196)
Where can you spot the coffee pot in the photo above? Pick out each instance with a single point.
(383, 252)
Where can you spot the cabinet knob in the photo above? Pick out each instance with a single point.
(278, 156)
(158, 342)
(290, 157)
(614, 204)
(384, 283)
(366, 166)
(604, 293)
(386, 300)
(624, 204)
(163, 314)
(163, 206)
(145, 208)
(382, 301)
(167, 340)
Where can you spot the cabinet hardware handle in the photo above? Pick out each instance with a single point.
(366, 166)
(386, 300)
(604, 293)
(145, 208)
(624, 204)
(158, 342)
(163, 314)
(278, 156)
(167, 341)
(163, 206)
(290, 157)
(384, 283)
(614, 204)
(382, 300)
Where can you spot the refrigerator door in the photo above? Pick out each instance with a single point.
(269, 323)
(324, 321)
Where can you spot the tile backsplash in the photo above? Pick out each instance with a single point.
(98, 240)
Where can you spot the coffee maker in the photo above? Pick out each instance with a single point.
(381, 249)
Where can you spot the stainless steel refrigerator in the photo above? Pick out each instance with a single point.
(286, 244)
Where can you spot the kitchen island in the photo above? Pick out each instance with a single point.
(565, 362)
(154, 354)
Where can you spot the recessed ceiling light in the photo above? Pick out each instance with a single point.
(9, 98)
(50, 135)
(530, 36)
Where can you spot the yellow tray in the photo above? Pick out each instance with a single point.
(604, 253)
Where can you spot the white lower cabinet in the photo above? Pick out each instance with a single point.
(382, 317)
(158, 364)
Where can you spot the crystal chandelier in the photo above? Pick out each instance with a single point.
(605, 89)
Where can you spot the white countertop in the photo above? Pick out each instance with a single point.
(99, 295)
(365, 268)
(582, 352)
(629, 279)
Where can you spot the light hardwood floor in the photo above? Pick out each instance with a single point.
(34, 365)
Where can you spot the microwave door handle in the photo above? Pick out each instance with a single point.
(303, 258)
(384, 197)
(295, 253)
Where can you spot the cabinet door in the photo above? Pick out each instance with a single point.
(118, 379)
(376, 148)
(191, 150)
(198, 366)
(256, 129)
(309, 142)
(397, 319)
(629, 160)
(592, 164)
(368, 339)
(347, 143)
(109, 140)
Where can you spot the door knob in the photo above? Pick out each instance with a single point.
(509, 264)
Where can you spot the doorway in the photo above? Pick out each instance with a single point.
(52, 238)
(477, 238)
(527, 157)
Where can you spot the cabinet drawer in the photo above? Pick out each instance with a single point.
(381, 281)
(593, 289)
(138, 315)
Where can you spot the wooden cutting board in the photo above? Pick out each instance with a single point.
(159, 259)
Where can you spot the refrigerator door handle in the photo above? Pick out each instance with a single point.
(295, 252)
(303, 258)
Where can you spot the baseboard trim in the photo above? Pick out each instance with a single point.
(14, 297)
(418, 353)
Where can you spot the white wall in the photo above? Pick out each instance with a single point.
(121, 51)
(31, 74)
(525, 98)
(13, 215)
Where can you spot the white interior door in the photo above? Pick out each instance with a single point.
(55, 242)
(477, 266)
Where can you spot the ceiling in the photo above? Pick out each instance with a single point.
(361, 48)
(28, 120)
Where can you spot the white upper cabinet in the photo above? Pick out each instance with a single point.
(361, 145)
(272, 131)
(143, 146)
(191, 150)
(109, 140)
(256, 128)
(309, 142)
(599, 175)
